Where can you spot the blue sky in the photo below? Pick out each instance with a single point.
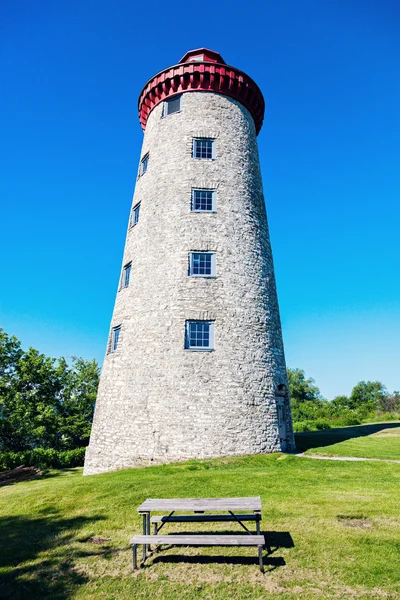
(70, 142)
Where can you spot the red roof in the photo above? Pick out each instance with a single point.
(202, 70)
(203, 55)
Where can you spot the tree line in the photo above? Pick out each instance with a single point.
(368, 401)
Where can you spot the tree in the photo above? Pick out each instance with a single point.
(32, 410)
(339, 405)
(78, 402)
(10, 354)
(44, 402)
(390, 403)
(302, 389)
(307, 403)
(341, 401)
(368, 396)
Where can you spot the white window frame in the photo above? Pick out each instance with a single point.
(167, 102)
(113, 345)
(124, 271)
(214, 200)
(209, 348)
(144, 161)
(213, 144)
(213, 263)
(133, 222)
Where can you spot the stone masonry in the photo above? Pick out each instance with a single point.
(157, 401)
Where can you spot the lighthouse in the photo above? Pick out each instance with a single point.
(194, 365)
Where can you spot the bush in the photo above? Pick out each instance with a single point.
(321, 425)
(43, 458)
(351, 421)
(301, 427)
(381, 416)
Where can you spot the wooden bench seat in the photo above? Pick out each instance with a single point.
(200, 540)
(203, 518)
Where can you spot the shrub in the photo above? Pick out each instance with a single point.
(320, 425)
(301, 426)
(43, 458)
(351, 421)
(387, 416)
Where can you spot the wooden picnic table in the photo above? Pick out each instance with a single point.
(199, 505)
(252, 503)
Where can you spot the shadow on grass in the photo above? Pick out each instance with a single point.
(37, 556)
(21, 474)
(318, 439)
(274, 540)
(278, 539)
(270, 562)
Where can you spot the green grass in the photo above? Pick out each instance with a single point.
(334, 527)
(381, 441)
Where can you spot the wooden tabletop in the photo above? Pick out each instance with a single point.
(252, 503)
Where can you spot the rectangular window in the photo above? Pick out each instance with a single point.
(204, 200)
(144, 163)
(202, 264)
(172, 105)
(203, 148)
(199, 335)
(115, 338)
(135, 214)
(126, 275)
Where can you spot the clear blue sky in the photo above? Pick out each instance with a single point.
(71, 72)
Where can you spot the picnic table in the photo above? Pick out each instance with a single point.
(224, 509)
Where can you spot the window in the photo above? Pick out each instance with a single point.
(204, 200)
(202, 264)
(172, 105)
(135, 214)
(199, 335)
(126, 275)
(144, 163)
(115, 338)
(203, 148)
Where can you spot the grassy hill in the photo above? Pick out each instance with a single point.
(334, 528)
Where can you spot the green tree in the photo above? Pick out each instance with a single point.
(339, 404)
(79, 398)
(368, 396)
(302, 389)
(44, 402)
(33, 410)
(10, 354)
(306, 400)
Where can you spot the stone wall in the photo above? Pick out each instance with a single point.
(157, 401)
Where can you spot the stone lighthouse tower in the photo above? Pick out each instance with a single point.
(195, 365)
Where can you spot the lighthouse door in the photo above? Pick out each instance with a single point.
(280, 408)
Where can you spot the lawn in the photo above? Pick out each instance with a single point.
(379, 440)
(334, 527)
